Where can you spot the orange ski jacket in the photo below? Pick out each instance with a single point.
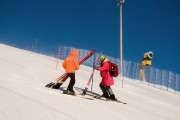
(71, 64)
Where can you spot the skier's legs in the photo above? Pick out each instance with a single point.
(72, 82)
(109, 90)
(103, 88)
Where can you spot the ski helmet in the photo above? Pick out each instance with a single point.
(102, 56)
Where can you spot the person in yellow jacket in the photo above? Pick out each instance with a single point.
(71, 64)
(146, 61)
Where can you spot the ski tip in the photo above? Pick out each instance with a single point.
(120, 101)
(123, 102)
(89, 98)
(48, 85)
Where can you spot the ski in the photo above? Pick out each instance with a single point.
(80, 96)
(50, 84)
(118, 101)
(66, 92)
(53, 83)
(105, 99)
(76, 95)
(64, 77)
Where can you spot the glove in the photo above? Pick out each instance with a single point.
(95, 67)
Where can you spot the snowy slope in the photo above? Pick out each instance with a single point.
(23, 96)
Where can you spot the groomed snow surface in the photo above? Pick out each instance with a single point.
(23, 95)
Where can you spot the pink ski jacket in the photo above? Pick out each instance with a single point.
(107, 80)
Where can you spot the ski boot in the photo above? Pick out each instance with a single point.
(106, 95)
(112, 97)
(69, 92)
(56, 86)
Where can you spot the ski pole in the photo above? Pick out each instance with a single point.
(93, 74)
(89, 80)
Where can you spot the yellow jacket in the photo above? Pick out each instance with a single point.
(146, 60)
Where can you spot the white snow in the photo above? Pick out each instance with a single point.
(23, 95)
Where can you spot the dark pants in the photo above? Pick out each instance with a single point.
(106, 89)
(72, 81)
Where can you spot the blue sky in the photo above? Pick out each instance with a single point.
(148, 25)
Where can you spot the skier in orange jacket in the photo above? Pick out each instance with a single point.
(70, 65)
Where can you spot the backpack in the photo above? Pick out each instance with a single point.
(113, 69)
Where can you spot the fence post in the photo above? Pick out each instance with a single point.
(168, 81)
(155, 78)
(161, 79)
(176, 84)
(135, 71)
(149, 75)
(128, 69)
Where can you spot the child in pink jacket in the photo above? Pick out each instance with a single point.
(107, 80)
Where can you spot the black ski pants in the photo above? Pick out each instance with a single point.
(106, 89)
(72, 81)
